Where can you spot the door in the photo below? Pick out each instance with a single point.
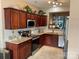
(22, 20)
(23, 52)
(14, 19)
(38, 22)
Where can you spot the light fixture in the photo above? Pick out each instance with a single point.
(49, 2)
(60, 4)
(55, 2)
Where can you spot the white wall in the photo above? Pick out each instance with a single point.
(56, 9)
(18, 4)
(1, 26)
(73, 31)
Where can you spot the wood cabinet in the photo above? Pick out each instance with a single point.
(38, 21)
(44, 20)
(49, 39)
(41, 21)
(11, 18)
(15, 19)
(20, 51)
(22, 20)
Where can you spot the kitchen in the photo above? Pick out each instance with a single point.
(42, 30)
(40, 35)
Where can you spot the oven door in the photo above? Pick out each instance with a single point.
(35, 43)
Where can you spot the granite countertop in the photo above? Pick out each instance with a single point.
(60, 34)
(22, 39)
(52, 33)
(47, 52)
(18, 41)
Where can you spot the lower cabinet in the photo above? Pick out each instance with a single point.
(49, 40)
(20, 51)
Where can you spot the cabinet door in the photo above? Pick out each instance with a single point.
(7, 18)
(44, 20)
(28, 49)
(42, 40)
(41, 21)
(52, 40)
(14, 19)
(22, 20)
(38, 21)
(23, 52)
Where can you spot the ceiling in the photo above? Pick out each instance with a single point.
(43, 4)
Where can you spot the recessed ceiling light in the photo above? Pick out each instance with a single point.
(53, 2)
(61, 4)
(49, 2)
(57, 3)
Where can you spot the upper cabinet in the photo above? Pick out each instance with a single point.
(41, 21)
(22, 20)
(11, 18)
(17, 19)
(14, 19)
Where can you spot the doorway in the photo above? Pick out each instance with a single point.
(58, 22)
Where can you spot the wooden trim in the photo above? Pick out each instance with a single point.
(60, 13)
(24, 11)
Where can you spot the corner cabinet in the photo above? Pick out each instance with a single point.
(19, 51)
(17, 19)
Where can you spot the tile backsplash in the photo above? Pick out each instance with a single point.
(8, 33)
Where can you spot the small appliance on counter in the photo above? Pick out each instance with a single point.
(25, 33)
